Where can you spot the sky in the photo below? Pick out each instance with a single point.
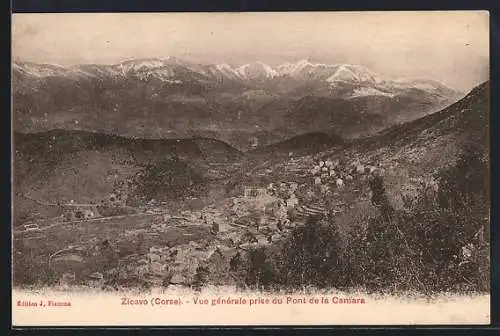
(451, 47)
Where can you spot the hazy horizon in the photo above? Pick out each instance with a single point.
(450, 47)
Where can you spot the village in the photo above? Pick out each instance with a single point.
(213, 239)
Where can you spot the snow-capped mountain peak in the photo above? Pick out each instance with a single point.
(224, 67)
(227, 71)
(256, 70)
(295, 69)
(353, 74)
(141, 64)
(48, 70)
(165, 68)
(137, 64)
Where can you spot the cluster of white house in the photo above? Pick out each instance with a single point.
(328, 171)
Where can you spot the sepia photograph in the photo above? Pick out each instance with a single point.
(251, 168)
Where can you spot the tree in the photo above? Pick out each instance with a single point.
(379, 197)
(387, 247)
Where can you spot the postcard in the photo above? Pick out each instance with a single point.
(265, 169)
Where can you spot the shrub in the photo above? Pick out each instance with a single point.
(259, 273)
(312, 256)
(200, 278)
(420, 248)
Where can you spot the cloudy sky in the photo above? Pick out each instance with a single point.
(452, 47)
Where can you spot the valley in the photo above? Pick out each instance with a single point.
(160, 172)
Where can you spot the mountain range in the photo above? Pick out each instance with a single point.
(246, 106)
(177, 72)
